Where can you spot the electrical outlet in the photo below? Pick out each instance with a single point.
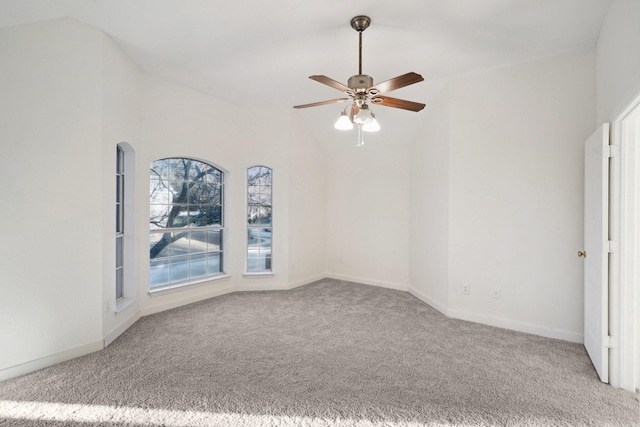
(496, 293)
(466, 289)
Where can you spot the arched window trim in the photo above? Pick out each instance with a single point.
(256, 264)
(220, 241)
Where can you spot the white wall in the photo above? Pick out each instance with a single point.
(516, 193)
(52, 207)
(429, 209)
(307, 201)
(367, 214)
(513, 139)
(121, 99)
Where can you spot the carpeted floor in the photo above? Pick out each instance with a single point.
(327, 354)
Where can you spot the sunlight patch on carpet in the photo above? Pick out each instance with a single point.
(67, 412)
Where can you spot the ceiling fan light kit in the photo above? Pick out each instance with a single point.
(361, 92)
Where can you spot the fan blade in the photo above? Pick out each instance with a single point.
(397, 82)
(330, 82)
(315, 104)
(387, 101)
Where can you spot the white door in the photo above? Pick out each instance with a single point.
(596, 246)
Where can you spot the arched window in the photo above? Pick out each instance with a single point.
(259, 223)
(186, 222)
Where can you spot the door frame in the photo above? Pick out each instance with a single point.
(624, 279)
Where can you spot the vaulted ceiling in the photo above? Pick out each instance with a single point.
(255, 52)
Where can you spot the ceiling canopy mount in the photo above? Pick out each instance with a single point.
(360, 23)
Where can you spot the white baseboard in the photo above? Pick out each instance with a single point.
(517, 326)
(44, 362)
(442, 308)
(186, 300)
(277, 287)
(498, 322)
(306, 281)
(396, 286)
(111, 336)
(249, 287)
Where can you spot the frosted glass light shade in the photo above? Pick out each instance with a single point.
(343, 122)
(363, 116)
(372, 126)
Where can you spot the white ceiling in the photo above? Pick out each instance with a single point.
(262, 52)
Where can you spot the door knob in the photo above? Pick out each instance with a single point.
(582, 254)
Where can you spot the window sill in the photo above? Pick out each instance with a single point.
(177, 286)
(257, 274)
(123, 304)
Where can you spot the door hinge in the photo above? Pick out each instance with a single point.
(611, 342)
(611, 247)
(614, 151)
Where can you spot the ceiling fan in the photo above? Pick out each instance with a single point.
(361, 92)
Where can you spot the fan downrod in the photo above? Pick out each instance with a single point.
(360, 23)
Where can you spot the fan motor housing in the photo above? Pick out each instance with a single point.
(360, 82)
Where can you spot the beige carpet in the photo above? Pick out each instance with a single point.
(328, 354)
